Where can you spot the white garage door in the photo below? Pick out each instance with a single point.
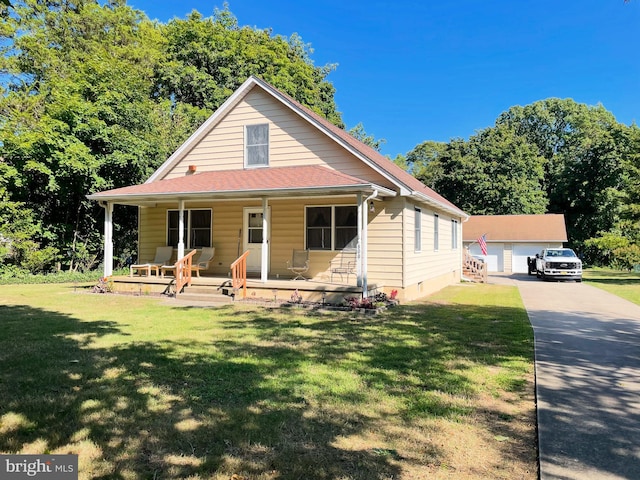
(494, 258)
(520, 253)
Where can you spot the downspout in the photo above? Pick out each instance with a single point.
(365, 241)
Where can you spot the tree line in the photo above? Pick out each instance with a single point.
(552, 156)
(94, 95)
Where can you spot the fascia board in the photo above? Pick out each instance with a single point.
(276, 192)
(446, 208)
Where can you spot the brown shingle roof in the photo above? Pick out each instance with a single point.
(399, 177)
(382, 162)
(516, 228)
(241, 181)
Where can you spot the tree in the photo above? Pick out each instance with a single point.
(495, 172)
(424, 164)
(359, 133)
(583, 148)
(207, 59)
(79, 114)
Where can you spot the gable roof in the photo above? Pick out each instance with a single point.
(516, 228)
(405, 182)
(281, 181)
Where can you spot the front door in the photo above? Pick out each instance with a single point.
(253, 236)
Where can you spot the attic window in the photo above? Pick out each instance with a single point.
(256, 139)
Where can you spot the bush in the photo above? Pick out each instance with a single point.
(626, 258)
(14, 275)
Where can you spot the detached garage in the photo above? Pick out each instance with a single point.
(512, 238)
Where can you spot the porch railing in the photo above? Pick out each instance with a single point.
(183, 271)
(475, 268)
(239, 274)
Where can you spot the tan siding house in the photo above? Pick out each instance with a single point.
(265, 174)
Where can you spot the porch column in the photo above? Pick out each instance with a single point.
(108, 239)
(180, 229)
(365, 241)
(359, 242)
(264, 267)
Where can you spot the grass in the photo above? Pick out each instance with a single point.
(141, 389)
(622, 284)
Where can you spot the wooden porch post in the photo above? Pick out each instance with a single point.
(108, 239)
(180, 229)
(264, 267)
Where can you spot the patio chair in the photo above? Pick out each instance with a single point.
(202, 263)
(299, 264)
(163, 255)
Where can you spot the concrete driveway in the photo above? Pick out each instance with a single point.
(587, 345)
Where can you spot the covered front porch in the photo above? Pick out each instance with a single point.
(266, 227)
(213, 288)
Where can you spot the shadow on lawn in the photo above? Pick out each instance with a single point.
(420, 343)
(143, 410)
(163, 410)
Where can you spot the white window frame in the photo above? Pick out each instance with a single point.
(187, 239)
(436, 232)
(333, 228)
(417, 229)
(247, 162)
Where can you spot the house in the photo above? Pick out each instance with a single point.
(512, 238)
(266, 175)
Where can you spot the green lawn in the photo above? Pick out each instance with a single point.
(141, 389)
(622, 284)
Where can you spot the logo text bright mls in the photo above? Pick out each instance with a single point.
(50, 467)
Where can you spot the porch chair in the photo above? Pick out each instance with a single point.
(299, 264)
(202, 263)
(163, 255)
(343, 264)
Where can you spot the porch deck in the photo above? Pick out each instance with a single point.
(274, 288)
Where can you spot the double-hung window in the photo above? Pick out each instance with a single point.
(197, 228)
(256, 140)
(454, 234)
(331, 227)
(436, 233)
(417, 229)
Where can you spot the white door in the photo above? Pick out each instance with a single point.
(253, 236)
(520, 253)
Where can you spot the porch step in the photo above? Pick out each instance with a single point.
(204, 294)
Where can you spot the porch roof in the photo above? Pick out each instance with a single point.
(280, 181)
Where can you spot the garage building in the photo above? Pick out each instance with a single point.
(512, 238)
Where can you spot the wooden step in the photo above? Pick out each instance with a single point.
(204, 294)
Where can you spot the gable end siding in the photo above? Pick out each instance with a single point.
(292, 141)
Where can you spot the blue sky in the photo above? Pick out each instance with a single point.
(412, 71)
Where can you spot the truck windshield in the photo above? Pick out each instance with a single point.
(561, 253)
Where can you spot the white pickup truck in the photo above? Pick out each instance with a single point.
(558, 264)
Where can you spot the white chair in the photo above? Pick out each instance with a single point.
(299, 264)
(202, 263)
(163, 255)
